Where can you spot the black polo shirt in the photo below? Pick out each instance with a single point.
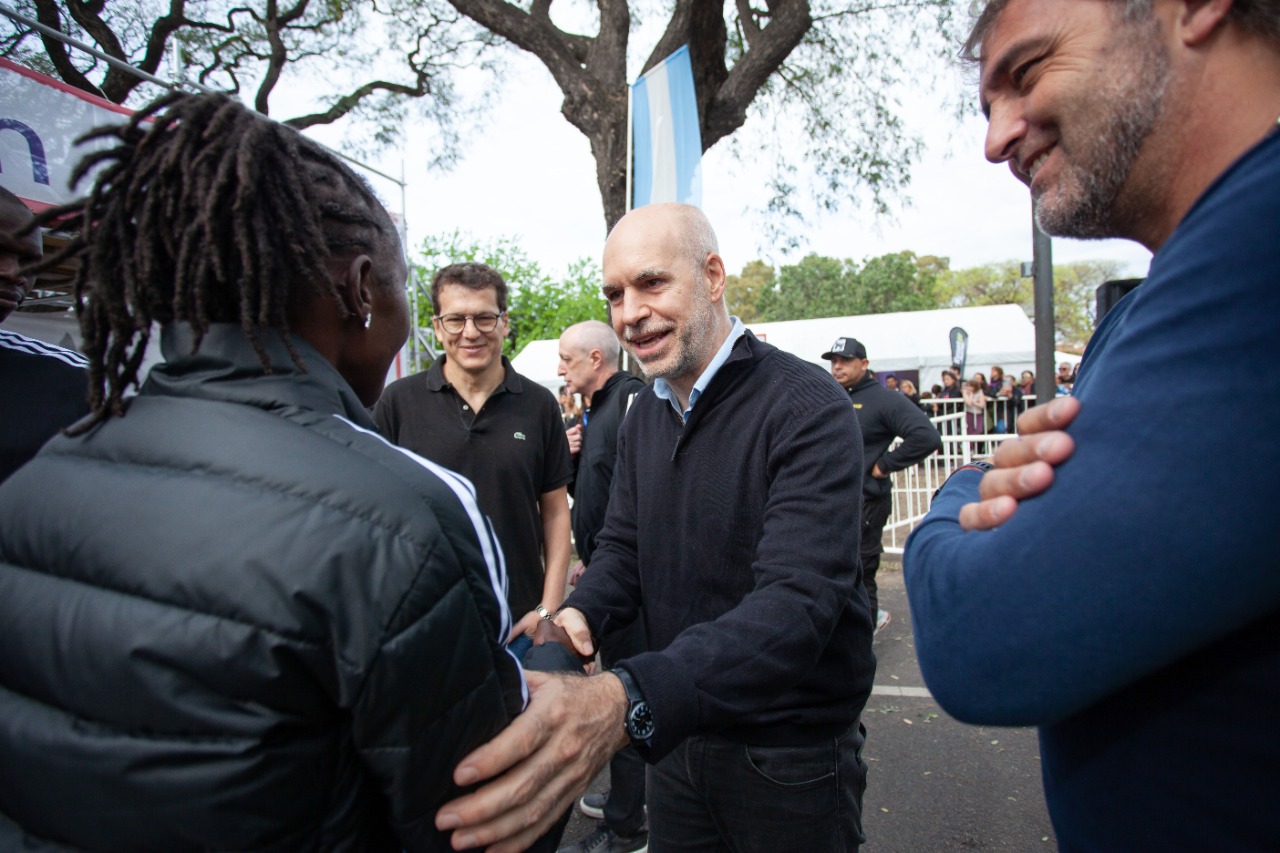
(513, 450)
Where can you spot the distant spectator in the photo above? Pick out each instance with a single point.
(950, 388)
(1027, 384)
(891, 382)
(1066, 378)
(975, 407)
(1005, 396)
(570, 411)
(1000, 385)
(909, 391)
(929, 408)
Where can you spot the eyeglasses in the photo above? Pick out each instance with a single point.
(455, 323)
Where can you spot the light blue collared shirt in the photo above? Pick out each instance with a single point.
(663, 389)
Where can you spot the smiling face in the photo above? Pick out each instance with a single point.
(666, 308)
(1073, 92)
(471, 350)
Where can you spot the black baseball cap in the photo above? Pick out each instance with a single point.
(846, 348)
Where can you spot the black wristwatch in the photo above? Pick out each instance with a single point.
(639, 720)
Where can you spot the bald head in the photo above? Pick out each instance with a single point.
(686, 227)
(17, 250)
(664, 281)
(588, 357)
(592, 335)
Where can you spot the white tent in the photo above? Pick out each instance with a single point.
(916, 340)
(539, 361)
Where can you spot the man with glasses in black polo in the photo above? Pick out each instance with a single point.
(472, 413)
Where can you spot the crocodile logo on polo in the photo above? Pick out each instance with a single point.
(519, 435)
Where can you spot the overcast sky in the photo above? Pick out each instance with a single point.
(528, 174)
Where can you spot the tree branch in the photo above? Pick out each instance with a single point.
(559, 52)
(47, 14)
(789, 22)
(747, 20)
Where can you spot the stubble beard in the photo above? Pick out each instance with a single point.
(1086, 204)
(686, 359)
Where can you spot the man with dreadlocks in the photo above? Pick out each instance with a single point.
(233, 617)
(42, 387)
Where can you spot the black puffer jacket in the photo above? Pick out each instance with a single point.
(237, 619)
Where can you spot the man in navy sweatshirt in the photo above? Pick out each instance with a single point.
(1114, 579)
(727, 528)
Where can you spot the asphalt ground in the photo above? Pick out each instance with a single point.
(934, 784)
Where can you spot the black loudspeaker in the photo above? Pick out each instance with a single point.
(1111, 292)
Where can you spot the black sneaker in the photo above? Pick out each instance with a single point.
(592, 805)
(605, 840)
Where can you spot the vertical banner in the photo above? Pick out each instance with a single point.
(40, 119)
(666, 142)
(959, 348)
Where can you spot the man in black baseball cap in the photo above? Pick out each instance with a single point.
(847, 348)
(883, 416)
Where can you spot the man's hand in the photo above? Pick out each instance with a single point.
(876, 472)
(574, 434)
(547, 757)
(575, 572)
(575, 625)
(1024, 465)
(528, 624)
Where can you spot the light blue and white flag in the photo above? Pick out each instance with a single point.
(665, 137)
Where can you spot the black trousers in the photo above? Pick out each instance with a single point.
(875, 512)
(715, 795)
(624, 810)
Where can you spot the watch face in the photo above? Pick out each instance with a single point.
(640, 722)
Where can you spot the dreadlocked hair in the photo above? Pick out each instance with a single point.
(204, 212)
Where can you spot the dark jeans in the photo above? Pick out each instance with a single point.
(875, 512)
(624, 810)
(716, 794)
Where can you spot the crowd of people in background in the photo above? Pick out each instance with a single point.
(990, 405)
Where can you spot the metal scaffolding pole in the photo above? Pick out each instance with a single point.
(1042, 262)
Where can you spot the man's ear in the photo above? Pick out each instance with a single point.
(713, 269)
(356, 287)
(1199, 19)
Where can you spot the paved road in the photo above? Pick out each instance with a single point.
(934, 784)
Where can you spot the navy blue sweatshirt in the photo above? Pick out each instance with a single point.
(737, 532)
(1132, 611)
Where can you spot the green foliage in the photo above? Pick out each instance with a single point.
(895, 282)
(834, 106)
(1002, 284)
(543, 311)
(540, 306)
(743, 292)
(819, 286)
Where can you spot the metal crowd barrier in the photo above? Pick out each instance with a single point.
(913, 487)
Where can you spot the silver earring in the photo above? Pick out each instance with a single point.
(367, 319)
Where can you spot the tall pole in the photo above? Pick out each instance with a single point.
(1042, 262)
